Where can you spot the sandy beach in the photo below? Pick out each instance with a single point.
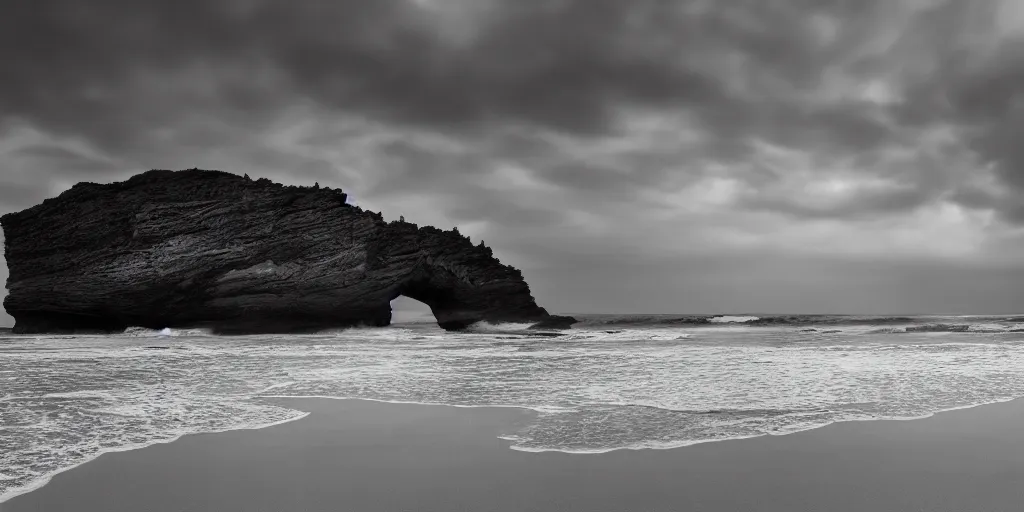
(352, 455)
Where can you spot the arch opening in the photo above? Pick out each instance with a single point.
(439, 292)
(405, 310)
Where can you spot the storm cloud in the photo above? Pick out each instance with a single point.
(597, 144)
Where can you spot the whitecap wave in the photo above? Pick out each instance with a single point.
(726, 319)
(143, 332)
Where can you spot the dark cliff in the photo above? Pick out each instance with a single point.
(211, 249)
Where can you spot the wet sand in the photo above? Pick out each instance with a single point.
(351, 455)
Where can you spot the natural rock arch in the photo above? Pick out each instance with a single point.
(210, 249)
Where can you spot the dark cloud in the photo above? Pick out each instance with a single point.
(559, 64)
(120, 71)
(133, 75)
(974, 83)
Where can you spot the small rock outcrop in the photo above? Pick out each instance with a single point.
(210, 249)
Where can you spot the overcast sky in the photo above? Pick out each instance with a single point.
(847, 156)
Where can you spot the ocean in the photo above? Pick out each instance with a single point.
(612, 382)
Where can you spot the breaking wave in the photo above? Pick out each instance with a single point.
(732, 319)
(143, 332)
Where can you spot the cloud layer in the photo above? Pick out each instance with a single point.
(588, 141)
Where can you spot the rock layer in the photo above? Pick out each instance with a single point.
(210, 249)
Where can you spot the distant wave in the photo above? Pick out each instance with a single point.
(669, 320)
(939, 328)
(726, 319)
(143, 332)
(898, 323)
(979, 328)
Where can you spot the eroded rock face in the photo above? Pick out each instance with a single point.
(210, 249)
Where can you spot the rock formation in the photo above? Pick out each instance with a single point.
(211, 249)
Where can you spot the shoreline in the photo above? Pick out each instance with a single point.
(484, 425)
(687, 444)
(44, 480)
